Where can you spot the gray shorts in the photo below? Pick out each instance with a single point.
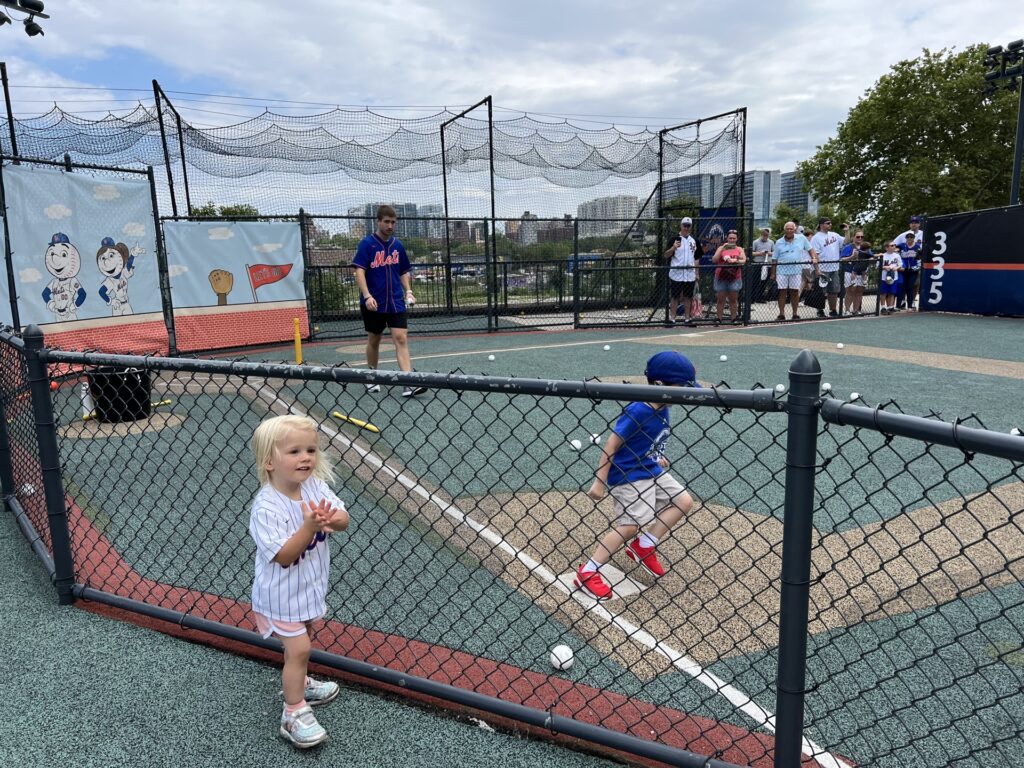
(638, 502)
(834, 281)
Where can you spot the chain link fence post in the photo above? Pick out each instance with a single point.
(801, 451)
(49, 462)
(6, 467)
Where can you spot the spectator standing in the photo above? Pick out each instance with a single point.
(918, 233)
(890, 282)
(910, 253)
(728, 281)
(682, 274)
(856, 259)
(828, 246)
(761, 253)
(789, 255)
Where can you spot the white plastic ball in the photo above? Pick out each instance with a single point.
(576, 444)
(839, 345)
(1015, 431)
(826, 387)
(855, 395)
(595, 439)
(780, 388)
(490, 357)
(562, 657)
(723, 358)
(606, 348)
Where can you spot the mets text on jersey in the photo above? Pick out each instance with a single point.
(382, 259)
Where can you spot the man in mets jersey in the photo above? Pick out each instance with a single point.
(382, 274)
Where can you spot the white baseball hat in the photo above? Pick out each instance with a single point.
(686, 220)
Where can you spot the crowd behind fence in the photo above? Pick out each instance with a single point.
(846, 589)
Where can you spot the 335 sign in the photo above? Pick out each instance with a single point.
(938, 268)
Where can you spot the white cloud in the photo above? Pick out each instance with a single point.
(57, 211)
(30, 275)
(106, 192)
(220, 233)
(133, 229)
(176, 270)
(798, 67)
(267, 247)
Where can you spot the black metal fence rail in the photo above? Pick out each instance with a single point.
(845, 591)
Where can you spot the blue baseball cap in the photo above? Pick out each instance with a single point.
(108, 242)
(915, 219)
(58, 238)
(671, 368)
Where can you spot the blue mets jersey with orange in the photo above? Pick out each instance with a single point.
(384, 263)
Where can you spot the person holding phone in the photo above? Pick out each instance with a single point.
(682, 275)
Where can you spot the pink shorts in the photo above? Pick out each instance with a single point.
(268, 627)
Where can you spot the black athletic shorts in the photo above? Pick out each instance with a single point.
(682, 288)
(376, 322)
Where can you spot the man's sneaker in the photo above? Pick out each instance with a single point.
(833, 314)
(320, 692)
(374, 388)
(301, 728)
(592, 583)
(645, 557)
(413, 391)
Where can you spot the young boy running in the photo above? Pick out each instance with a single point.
(633, 468)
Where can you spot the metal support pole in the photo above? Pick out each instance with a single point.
(157, 94)
(494, 220)
(49, 464)
(306, 271)
(447, 230)
(10, 112)
(161, 265)
(576, 273)
(184, 165)
(490, 264)
(6, 466)
(801, 455)
(1018, 147)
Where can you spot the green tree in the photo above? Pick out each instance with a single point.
(212, 210)
(785, 212)
(924, 139)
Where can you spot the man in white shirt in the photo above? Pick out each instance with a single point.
(828, 246)
(684, 253)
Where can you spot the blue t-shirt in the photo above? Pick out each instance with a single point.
(384, 264)
(644, 431)
(910, 255)
(791, 256)
(858, 265)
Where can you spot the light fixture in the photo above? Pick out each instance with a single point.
(1005, 69)
(34, 9)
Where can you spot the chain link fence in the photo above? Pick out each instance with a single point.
(846, 590)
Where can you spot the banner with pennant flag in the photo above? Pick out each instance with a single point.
(265, 274)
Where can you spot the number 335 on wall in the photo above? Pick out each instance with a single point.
(939, 263)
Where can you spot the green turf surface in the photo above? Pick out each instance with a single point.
(995, 338)
(892, 692)
(87, 691)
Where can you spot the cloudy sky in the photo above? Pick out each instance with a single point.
(798, 67)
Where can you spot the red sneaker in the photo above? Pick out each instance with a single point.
(592, 583)
(645, 557)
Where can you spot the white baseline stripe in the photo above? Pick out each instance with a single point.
(736, 697)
